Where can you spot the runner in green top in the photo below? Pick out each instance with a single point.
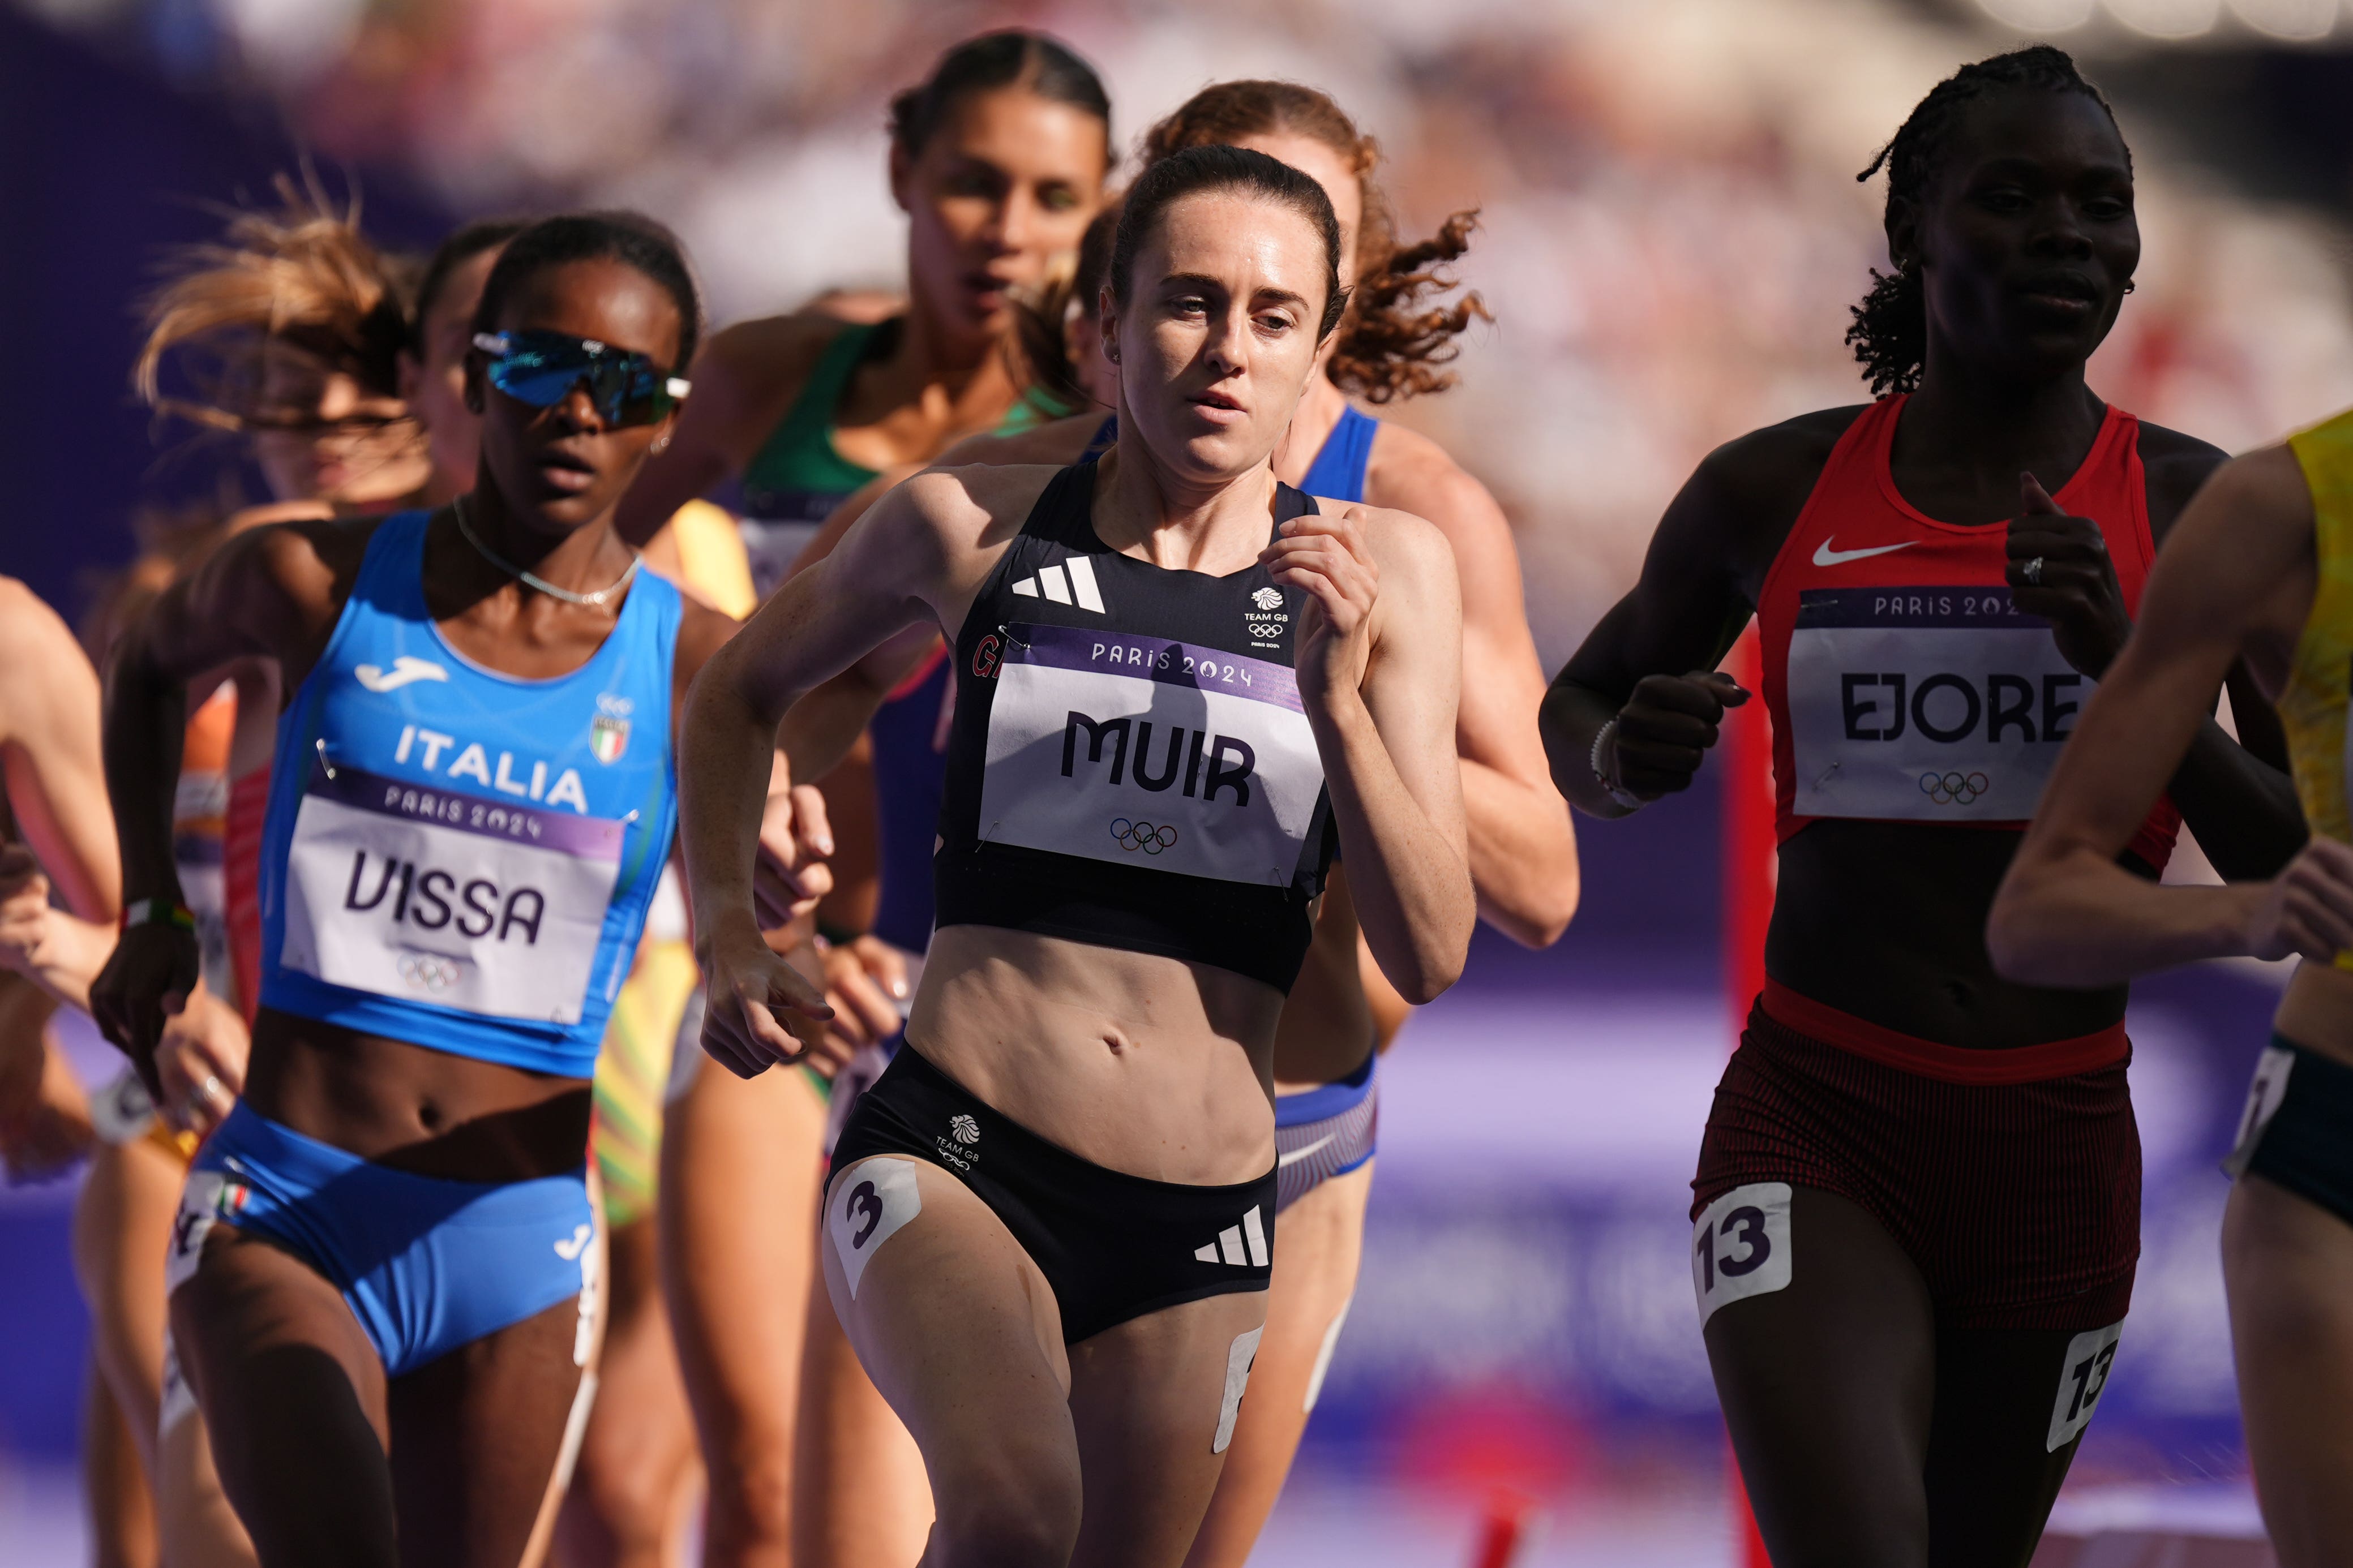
(1000, 161)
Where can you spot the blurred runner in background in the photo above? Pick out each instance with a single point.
(999, 159)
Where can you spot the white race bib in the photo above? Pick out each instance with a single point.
(1925, 704)
(1740, 1246)
(2266, 1092)
(430, 895)
(2083, 1378)
(1145, 752)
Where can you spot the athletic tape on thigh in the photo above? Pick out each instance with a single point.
(179, 1399)
(1740, 1246)
(1324, 1356)
(588, 1331)
(2083, 1377)
(868, 1206)
(2266, 1092)
(1239, 1357)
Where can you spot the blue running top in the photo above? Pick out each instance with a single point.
(457, 858)
(1338, 470)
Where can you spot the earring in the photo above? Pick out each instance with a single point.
(662, 443)
(2130, 285)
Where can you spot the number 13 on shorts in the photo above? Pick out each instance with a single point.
(1740, 1245)
(2083, 1378)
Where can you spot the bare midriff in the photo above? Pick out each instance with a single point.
(429, 1113)
(1151, 1066)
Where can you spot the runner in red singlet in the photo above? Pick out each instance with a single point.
(1917, 1202)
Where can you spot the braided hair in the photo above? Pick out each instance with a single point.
(1890, 335)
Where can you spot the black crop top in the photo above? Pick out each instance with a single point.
(1130, 765)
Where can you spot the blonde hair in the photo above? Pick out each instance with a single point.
(300, 274)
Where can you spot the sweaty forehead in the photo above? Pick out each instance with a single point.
(2064, 133)
(602, 299)
(1243, 238)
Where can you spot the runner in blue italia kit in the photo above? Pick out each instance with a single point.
(379, 1260)
(1180, 683)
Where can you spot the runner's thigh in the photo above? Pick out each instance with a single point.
(1826, 1384)
(738, 1198)
(1154, 1399)
(860, 1498)
(1318, 1243)
(961, 1333)
(1992, 1472)
(476, 1436)
(295, 1398)
(199, 1528)
(2288, 1264)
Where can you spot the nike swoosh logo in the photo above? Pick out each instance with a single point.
(570, 1251)
(1298, 1155)
(1825, 556)
(406, 670)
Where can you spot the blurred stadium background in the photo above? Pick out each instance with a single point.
(1672, 234)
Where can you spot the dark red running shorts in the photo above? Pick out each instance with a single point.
(2019, 1203)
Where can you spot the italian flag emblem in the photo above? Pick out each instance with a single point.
(608, 738)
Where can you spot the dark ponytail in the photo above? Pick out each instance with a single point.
(1011, 58)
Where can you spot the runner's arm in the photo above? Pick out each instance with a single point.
(1523, 844)
(49, 755)
(2067, 914)
(1649, 662)
(1383, 590)
(2235, 794)
(273, 592)
(814, 626)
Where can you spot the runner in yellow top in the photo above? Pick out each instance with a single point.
(2260, 567)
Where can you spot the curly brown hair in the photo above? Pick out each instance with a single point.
(1392, 341)
(301, 274)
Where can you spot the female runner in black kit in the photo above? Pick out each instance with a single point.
(1954, 1155)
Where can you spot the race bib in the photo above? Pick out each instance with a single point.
(1144, 752)
(2266, 1092)
(429, 894)
(1740, 1246)
(866, 1208)
(1925, 704)
(209, 1198)
(2083, 1377)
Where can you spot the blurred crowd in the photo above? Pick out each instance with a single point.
(1672, 230)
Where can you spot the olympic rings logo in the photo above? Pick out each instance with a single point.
(428, 971)
(1143, 835)
(1954, 789)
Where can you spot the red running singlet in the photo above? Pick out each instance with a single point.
(1903, 683)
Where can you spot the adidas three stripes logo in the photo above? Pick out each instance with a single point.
(1077, 587)
(1243, 1246)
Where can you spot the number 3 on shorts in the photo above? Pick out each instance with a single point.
(867, 1205)
(1740, 1246)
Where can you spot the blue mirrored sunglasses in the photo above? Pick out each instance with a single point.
(541, 368)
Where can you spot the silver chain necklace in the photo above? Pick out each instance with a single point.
(458, 510)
